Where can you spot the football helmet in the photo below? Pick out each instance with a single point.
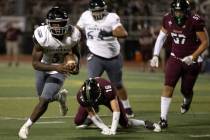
(57, 21)
(183, 7)
(91, 91)
(98, 9)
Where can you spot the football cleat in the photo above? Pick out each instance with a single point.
(63, 102)
(152, 126)
(185, 105)
(129, 113)
(23, 133)
(86, 123)
(163, 123)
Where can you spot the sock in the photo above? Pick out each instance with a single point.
(135, 122)
(165, 104)
(126, 103)
(28, 123)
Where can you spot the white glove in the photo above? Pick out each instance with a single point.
(188, 60)
(112, 132)
(154, 62)
(106, 132)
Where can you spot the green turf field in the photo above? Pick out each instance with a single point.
(17, 99)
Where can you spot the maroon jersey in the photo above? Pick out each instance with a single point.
(108, 93)
(184, 37)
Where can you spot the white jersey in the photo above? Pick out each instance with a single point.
(106, 47)
(54, 50)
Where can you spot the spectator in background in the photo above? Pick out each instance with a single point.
(146, 44)
(12, 44)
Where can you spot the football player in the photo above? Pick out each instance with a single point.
(98, 91)
(53, 43)
(102, 30)
(189, 40)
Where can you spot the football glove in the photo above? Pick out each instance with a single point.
(154, 62)
(188, 60)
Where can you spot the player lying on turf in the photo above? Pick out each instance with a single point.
(98, 91)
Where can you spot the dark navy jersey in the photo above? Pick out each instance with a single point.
(108, 93)
(185, 41)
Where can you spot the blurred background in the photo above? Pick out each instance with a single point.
(141, 18)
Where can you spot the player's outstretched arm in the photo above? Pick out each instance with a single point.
(115, 117)
(98, 121)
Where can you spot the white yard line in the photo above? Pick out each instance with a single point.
(17, 98)
(56, 117)
(50, 122)
(199, 136)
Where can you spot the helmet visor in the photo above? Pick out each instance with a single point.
(98, 13)
(57, 28)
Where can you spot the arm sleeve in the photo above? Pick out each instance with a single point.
(115, 121)
(98, 122)
(159, 43)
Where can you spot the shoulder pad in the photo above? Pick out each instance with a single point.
(40, 35)
(113, 15)
(75, 34)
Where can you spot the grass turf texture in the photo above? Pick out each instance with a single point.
(17, 99)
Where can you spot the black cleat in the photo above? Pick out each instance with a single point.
(185, 105)
(163, 123)
(129, 112)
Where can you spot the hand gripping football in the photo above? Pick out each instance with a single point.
(71, 61)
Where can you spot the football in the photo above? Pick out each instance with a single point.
(70, 59)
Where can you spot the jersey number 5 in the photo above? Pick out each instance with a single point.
(178, 38)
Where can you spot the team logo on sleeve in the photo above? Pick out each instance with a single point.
(40, 33)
